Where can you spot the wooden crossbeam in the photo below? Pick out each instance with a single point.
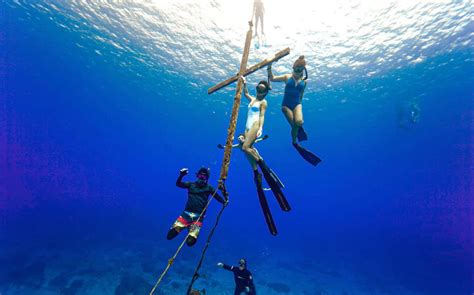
(250, 70)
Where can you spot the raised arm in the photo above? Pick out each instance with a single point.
(271, 77)
(179, 181)
(246, 91)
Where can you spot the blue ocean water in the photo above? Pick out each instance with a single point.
(93, 134)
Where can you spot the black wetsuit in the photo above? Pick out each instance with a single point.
(243, 278)
(198, 195)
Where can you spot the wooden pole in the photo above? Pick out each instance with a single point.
(235, 107)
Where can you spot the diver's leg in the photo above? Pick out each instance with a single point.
(298, 115)
(176, 228)
(172, 233)
(288, 114)
(298, 123)
(250, 137)
(252, 290)
(252, 161)
(291, 120)
(258, 156)
(190, 241)
(193, 233)
(256, 25)
(261, 22)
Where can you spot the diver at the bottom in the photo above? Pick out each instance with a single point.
(242, 276)
(198, 194)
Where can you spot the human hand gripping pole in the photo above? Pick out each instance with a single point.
(269, 76)
(221, 186)
(269, 70)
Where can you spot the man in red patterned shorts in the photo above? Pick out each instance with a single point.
(198, 195)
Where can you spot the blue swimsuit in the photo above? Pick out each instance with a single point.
(293, 93)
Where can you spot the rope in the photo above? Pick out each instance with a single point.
(208, 242)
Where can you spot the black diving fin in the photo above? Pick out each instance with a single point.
(274, 184)
(264, 204)
(302, 136)
(307, 155)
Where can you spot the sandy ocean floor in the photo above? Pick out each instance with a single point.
(132, 268)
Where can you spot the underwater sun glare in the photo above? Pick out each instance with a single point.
(342, 40)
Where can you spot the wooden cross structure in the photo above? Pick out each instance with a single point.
(232, 125)
(244, 71)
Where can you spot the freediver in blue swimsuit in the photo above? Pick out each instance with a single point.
(292, 107)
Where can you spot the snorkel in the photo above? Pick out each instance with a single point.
(300, 63)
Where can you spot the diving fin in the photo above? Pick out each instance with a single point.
(264, 204)
(307, 155)
(302, 136)
(274, 185)
(276, 178)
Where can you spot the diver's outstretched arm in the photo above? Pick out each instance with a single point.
(246, 91)
(271, 77)
(227, 267)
